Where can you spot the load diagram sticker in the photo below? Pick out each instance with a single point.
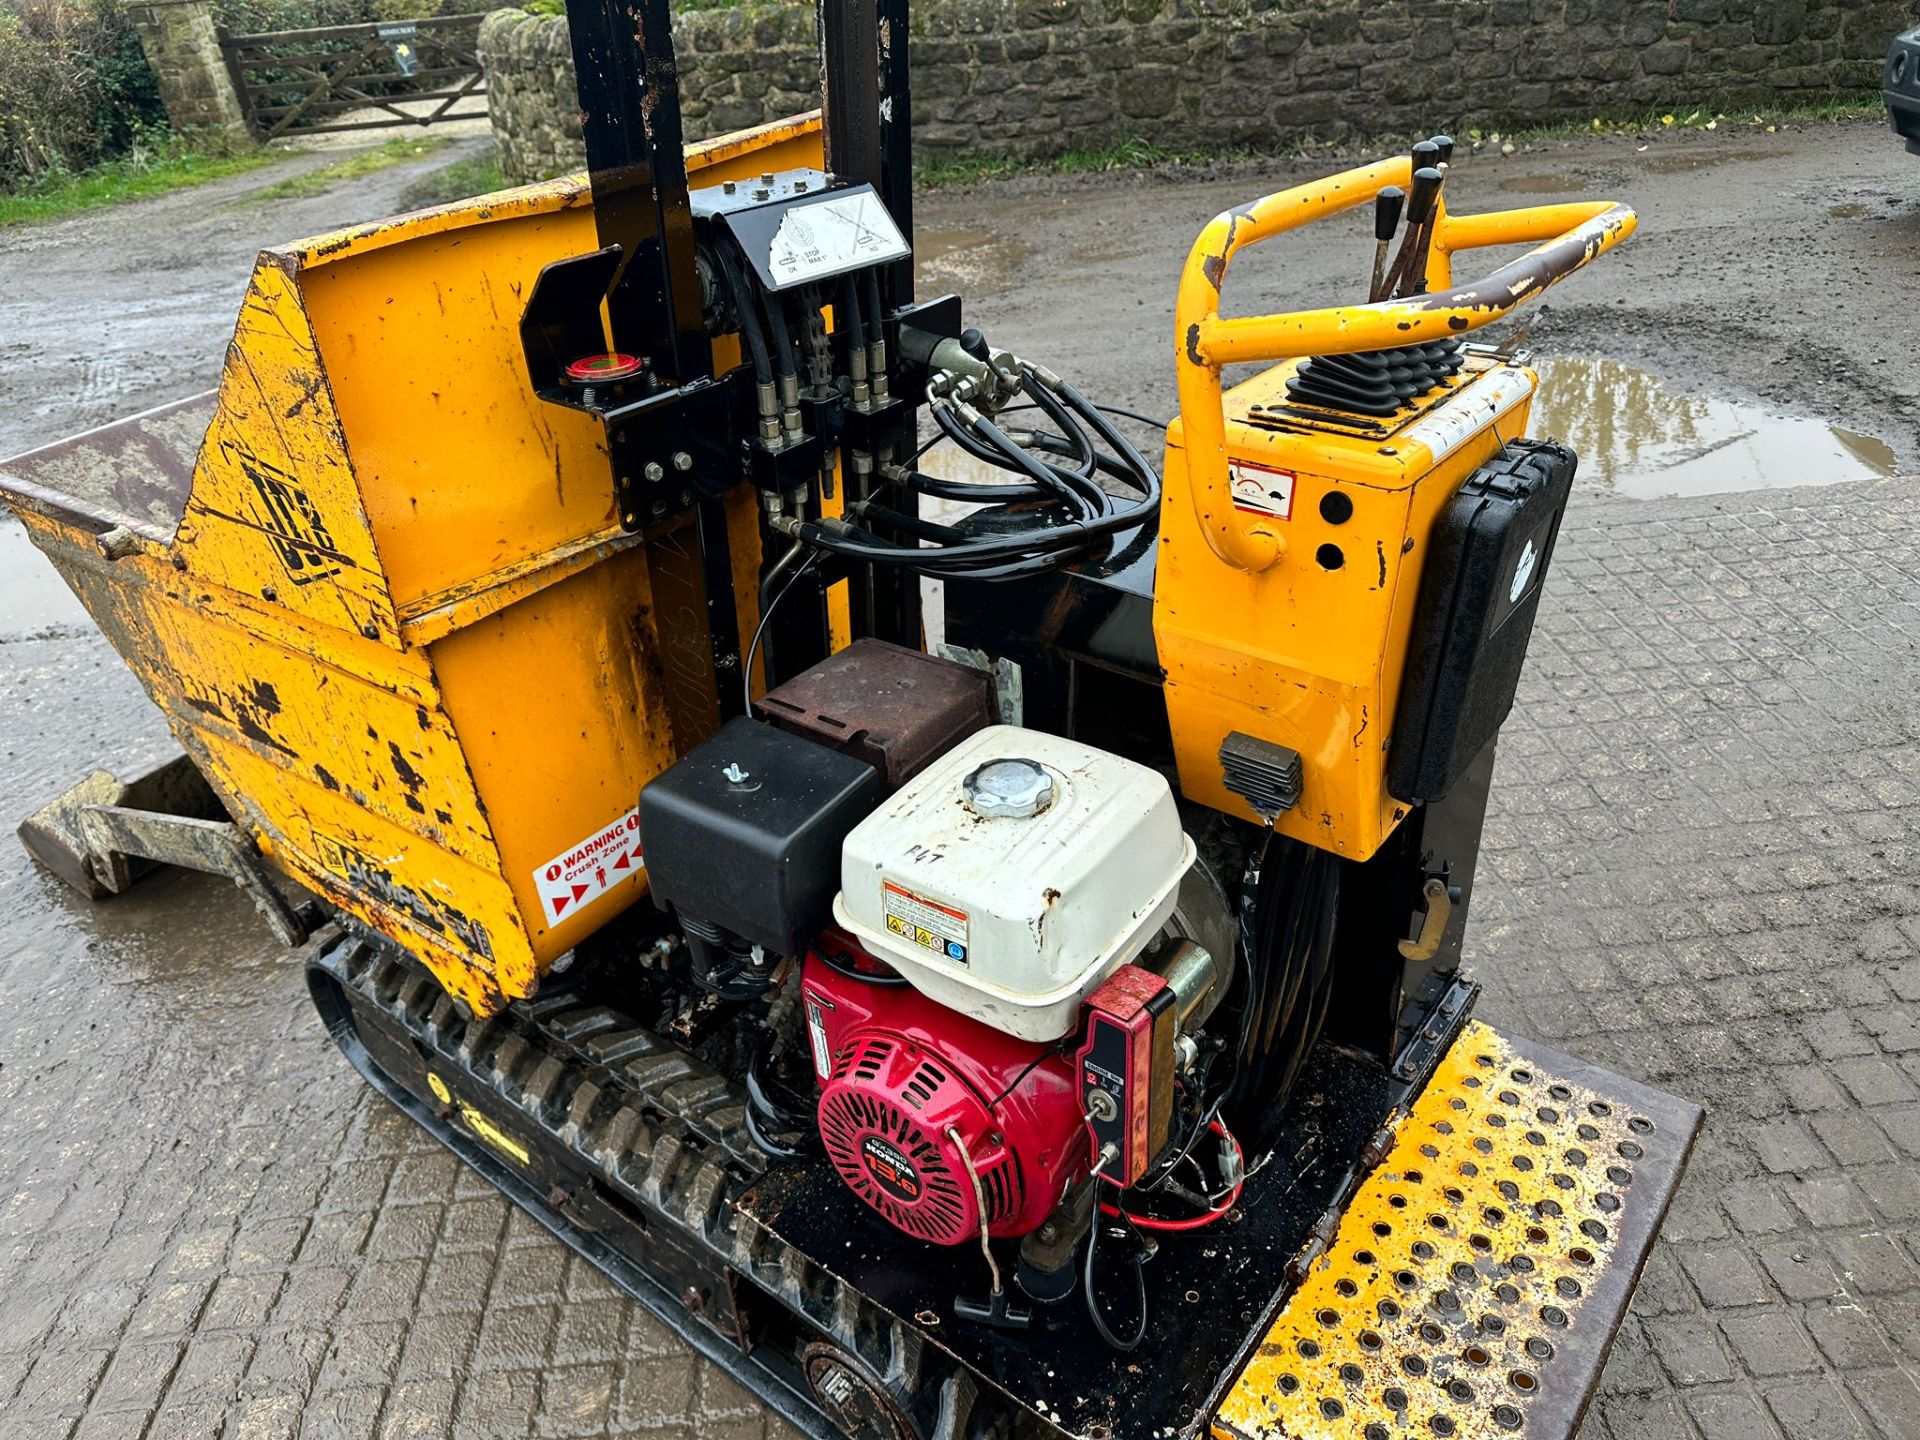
(926, 923)
(584, 872)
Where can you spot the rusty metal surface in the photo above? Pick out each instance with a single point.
(892, 707)
(117, 833)
(53, 834)
(134, 473)
(1480, 1274)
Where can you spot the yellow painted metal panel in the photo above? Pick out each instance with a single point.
(1261, 627)
(558, 706)
(464, 470)
(276, 511)
(1309, 651)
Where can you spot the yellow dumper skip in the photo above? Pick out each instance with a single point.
(395, 575)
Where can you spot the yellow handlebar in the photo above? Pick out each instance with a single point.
(1205, 340)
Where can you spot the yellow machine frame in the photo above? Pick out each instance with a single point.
(384, 523)
(1290, 628)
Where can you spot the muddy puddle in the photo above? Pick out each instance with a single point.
(971, 261)
(33, 597)
(1640, 438)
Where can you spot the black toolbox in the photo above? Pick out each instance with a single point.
(1479, 590)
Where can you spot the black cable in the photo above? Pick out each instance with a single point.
(1134, 415)
(968, 490)
(766, 614)
(774, 307)
(1104, 410)
(766, 1143)
(1026, 1070)
(876, 313)
(911, 524)
(1075, 509)
(765, 1115)
(1288, 931)
(846, 320)
(1093, 1303)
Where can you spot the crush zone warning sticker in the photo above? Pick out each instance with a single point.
(583, 873)
(1261, 490)
(926, 923)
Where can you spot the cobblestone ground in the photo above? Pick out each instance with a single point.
(1698, 871)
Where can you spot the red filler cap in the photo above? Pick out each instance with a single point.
(601, 369)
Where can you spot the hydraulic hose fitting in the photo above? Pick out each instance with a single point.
(790, 406)
(768, 403)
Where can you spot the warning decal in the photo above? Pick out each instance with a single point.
(585, 872)
(926, 923)
(1261, 490)
(1472, 409)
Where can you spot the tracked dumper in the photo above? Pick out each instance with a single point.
(1055, 1026)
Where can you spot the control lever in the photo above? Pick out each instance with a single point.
(1440, 898)
(1409, 274)
(1387, 206)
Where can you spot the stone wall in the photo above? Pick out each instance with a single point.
(1033, 78)
(182, 48)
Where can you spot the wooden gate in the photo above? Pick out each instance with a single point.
(354, 77)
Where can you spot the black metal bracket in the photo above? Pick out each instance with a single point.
(674, 448)
(561, 324)
(1422, 1052)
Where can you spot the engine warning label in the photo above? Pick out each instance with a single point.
(1261, 490)
(581, 874)
(936, 928)
(892, 1171)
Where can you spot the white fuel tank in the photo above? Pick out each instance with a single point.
(1014, 874)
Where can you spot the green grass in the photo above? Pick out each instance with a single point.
(158, 163)
(475, 175)
(1700, 117)
(352, 166)
(973, 167)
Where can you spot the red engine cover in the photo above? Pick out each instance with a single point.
(901, 1076)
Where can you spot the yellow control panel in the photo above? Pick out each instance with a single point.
(1308, 652)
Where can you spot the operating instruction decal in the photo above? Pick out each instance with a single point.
(847, 232)
(582, 873)
(1472, 409)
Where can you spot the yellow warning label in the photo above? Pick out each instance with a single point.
(927, 923)
(486, 1130)
(439, 1088)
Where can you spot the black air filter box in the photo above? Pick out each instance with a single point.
(745, 831)
(1479, 590)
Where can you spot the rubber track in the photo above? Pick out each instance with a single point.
(666, 1132)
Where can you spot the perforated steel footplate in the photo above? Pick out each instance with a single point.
(1478, 1277)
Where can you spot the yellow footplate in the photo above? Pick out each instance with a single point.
(1480, 1272)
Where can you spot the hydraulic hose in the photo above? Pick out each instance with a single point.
(1057, 471)
(743, 301)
